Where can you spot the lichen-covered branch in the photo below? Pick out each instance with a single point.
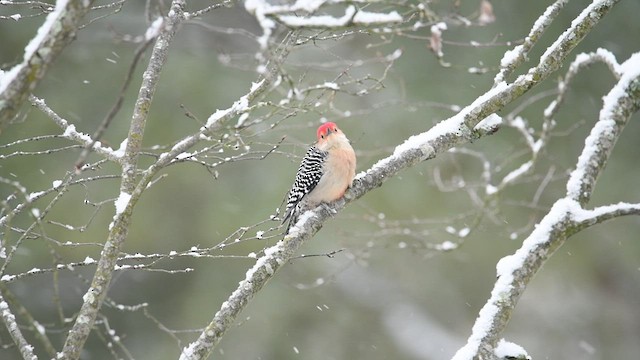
(457, 130)
(566, 217)
(95, 295)
(58, 30)
(517, 55)
(619, 104)
(38, 329)
(26, 350)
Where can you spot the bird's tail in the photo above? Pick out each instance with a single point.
(290, 218)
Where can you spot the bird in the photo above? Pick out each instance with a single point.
(325, 172)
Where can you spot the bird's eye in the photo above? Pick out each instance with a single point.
(322, 136)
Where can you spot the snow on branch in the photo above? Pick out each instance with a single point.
(255, 278)
(606, 212)
(617, 104)
(439, 139)
(89, 261)
(54, 34)
(566, 217)
(460, 129)
(509, 350)
(516, 56)
(9, 320)
(351, 16)
(581, 61)
(602, 55)
(590, 16)
(215, 120)
(267, 14)
(70, 132)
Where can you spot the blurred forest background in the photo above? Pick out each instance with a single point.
(412, 262)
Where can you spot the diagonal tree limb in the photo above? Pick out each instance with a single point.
(515, 57)
(26, 350)
(58, 30)
(565, 218)
(95, 295)
(457, 130)
(39, 332)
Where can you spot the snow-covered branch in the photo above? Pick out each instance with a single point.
(518, 54)
(604, 213)
(53, 35)
(521, 125)
(324, 78)
(351, 16)
(70, 132)
(618, 105)
(267, 15)
(9, 320)
(459, 129)
(566, 217)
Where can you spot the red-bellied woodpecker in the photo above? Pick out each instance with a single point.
(325, 173)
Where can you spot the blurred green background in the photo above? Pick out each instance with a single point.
(389, 294)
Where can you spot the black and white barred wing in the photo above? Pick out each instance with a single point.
(308, 176)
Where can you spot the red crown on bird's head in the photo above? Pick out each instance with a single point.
(325, 128)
